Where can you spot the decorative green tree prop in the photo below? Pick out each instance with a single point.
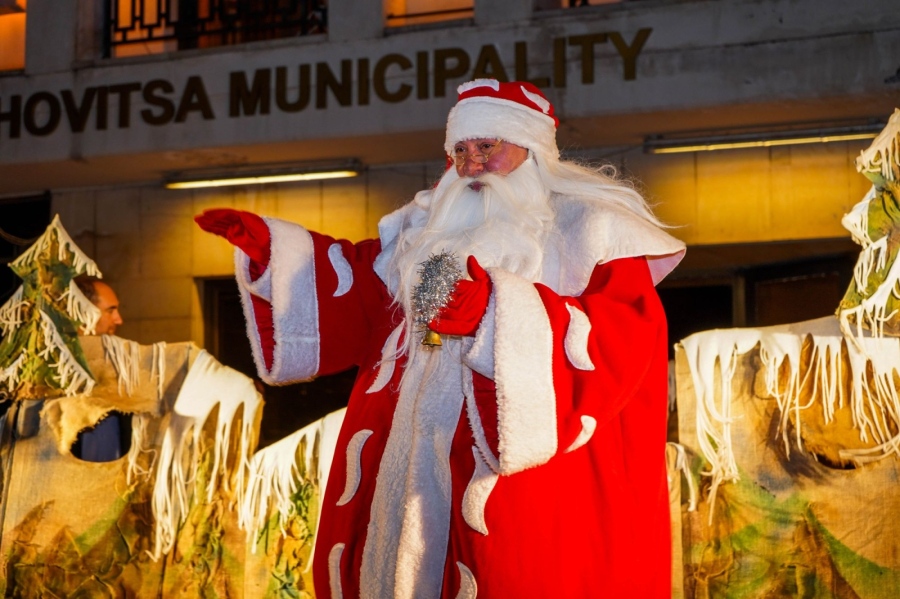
(873, 299)
(40, 355)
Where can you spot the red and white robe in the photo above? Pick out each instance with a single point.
(528, 461)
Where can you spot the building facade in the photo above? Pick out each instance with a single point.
(104, 102)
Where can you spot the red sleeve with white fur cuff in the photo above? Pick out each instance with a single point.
(290, 285)
(563, 367)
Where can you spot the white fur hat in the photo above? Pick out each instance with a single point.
(516, 112)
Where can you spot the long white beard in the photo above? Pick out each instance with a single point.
(503, 223)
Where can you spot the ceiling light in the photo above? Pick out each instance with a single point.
(763, 139)
(259, 176)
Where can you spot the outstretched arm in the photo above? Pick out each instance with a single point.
(304, 294)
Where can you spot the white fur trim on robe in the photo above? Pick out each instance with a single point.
(481, 443)
(412, 214)
(480, 355)
(406, 539)
(290, 281)
(523, 374)
(595, 233)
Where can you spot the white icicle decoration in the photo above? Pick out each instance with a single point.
(857, 220)
(704, 351)
(208, 384)
(80, 261)
(12, 313)
(884, 152)
(873, 309)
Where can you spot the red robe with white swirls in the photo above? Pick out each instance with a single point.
(528, 461)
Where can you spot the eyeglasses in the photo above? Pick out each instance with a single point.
(485, 150)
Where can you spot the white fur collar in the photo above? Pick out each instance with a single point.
(593, 233)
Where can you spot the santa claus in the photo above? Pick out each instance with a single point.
(525, 456)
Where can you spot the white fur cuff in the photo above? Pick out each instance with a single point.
(523, 364)
(290, 283)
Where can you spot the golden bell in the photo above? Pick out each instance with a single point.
(431, 339)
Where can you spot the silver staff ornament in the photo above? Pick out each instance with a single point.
(437, 277)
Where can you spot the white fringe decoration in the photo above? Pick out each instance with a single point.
(80, 261)
(680, 465)
(9, 376)
(126, 361)
(207, 384)
(79, 307)
(274, 475)
(876, 412)
(158, 367)
(125, 357)
(273, 479)
(12, 313)
(139, 445)
(72, 377)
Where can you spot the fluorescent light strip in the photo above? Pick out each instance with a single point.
(699, 146)
(258, 180)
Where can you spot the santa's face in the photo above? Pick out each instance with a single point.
(475, 157)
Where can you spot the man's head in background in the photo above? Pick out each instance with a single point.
(102, 295)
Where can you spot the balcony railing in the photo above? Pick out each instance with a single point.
(151, 26)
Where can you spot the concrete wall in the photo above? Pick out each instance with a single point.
(746, 196)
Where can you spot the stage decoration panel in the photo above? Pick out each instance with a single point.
(792, 432)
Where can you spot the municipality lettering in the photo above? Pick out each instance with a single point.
(392, 78)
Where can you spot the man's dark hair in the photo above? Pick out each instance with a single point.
(87, 286)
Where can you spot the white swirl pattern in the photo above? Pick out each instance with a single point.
(576, 341)
(475, 498)
(341, 268)
(354, 468)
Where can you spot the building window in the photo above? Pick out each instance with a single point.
(139, 27)
(12, 35)
(399, 13)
